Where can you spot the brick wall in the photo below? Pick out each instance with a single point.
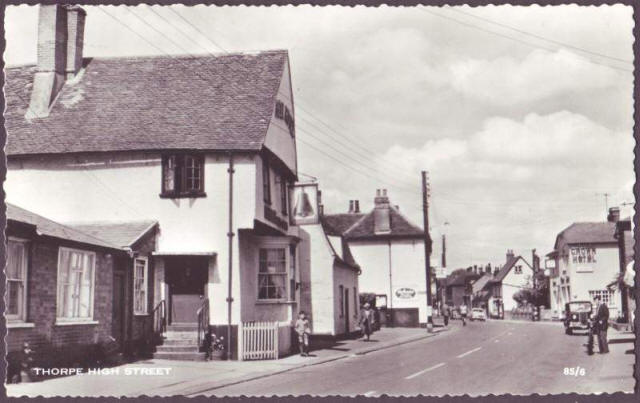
(42, 302)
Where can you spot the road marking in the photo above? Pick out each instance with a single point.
(425, 370)
(370, 393)
(469, 352)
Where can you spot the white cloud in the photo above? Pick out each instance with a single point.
(541, 74)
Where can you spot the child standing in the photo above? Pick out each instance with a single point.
(303, 329)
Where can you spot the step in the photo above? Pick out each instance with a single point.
(181, 335)
(179, 342)
(193, 327)
(181, 356)
(191, 348)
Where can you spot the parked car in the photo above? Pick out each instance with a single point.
(576, 316)
(478, 314)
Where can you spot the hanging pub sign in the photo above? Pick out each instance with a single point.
(303, 202)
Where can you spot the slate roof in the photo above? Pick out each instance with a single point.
(480, 283)
(588, 232)
(461, 277)
(222, 102)
(123, 234)
(47, 227)
(502, 273)
(361, 226)
(338, 224)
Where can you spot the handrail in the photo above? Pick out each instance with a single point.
(203, 321)
(159, 315)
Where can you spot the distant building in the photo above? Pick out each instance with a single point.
(459, 287)
(586, 258)
(390, 250)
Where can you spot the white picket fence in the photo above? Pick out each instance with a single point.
(258, 340)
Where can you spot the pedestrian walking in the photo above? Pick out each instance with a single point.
(446, 311)
(366, 320)
(463, 313)
(602, 325)
(304, 330)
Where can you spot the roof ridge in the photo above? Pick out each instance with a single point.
(108, 222)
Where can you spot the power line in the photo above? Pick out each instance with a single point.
(563, 44)
(466, 24)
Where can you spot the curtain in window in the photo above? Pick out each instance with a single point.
(16, 262)
(139, 291)
(75, 284)
(169, 179)
(272, 274)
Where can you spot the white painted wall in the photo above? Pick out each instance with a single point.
(514, 282)
(278, 138)
(404, 259)
(322, 280)
(348, 279)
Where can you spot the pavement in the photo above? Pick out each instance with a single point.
(169, 378)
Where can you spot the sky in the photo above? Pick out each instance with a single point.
(522, 116)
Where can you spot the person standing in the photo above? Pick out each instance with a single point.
(366, 319)
(602, 325)
(303, 329)
(446, 311)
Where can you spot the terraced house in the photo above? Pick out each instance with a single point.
(202, 147)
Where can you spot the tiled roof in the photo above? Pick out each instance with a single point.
(480, 283)
(507, 267)
(338, 224)
(460, 277)
(588, 232)
(362, 225)
(123, 234)
(222, 102)
(47, 227)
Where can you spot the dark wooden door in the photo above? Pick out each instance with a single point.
(118, 315)
(187, 278)
(346, 310)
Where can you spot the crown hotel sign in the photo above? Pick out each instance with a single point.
(303, 203)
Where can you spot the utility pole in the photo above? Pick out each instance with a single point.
(427, 247)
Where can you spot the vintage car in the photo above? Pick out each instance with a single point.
(576, 316)
(478, 314)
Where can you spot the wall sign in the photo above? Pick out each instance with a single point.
(303, 203)
(405, 293)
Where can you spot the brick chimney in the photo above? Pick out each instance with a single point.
(381, 212)
(614, 214)
(60, 40)
(356, 206)
(510, 254)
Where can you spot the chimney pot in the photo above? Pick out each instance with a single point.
(357, 206)
(384, 192)
(350, 206)
(614, 214)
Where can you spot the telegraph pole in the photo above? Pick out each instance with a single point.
(427, 247)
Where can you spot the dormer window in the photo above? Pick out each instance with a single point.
(182, 176)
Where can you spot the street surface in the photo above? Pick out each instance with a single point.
(482, 358)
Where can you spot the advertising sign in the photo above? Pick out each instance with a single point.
(303, 203)
(405, 293)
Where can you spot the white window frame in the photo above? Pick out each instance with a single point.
(611, 303)
(145, 285)
(93, 286)
(22, 317)
(285, 274)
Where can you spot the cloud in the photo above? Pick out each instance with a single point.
(541, 74)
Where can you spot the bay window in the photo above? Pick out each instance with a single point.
(272, 274)
(16, 280)
(76, 280)
(140, 274)
(183, 175)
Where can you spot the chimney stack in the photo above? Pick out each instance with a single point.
(75, 40)
(356, 206)
(350, 206)
(510, 254)
(381, 213)
(614, 214)
(60, 40)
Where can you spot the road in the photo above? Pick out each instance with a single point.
(482, 358)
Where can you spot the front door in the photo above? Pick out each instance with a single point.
(187, 277)
(346, 310)
(117, 323)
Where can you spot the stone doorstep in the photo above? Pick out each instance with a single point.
(199, 387)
